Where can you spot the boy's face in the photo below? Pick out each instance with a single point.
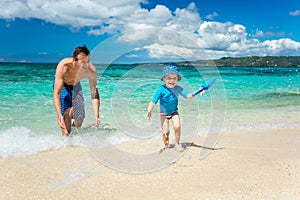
(171, 80)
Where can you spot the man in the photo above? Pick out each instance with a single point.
(69, 72)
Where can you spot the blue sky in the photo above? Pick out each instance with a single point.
(129, 31)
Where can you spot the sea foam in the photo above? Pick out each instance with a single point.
(20, 141)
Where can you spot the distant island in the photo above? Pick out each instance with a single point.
(257, 61)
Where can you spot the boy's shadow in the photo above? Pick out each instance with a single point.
(191, 144)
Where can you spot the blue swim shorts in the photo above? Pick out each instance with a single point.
(71, 96)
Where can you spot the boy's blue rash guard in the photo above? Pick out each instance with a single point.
(168, 98)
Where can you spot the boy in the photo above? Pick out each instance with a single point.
(168, 94)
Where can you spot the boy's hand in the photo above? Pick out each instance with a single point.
(201, 93)
(149, 115)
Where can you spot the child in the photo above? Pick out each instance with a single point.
(168, 96)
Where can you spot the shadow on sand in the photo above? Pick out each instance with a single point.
(191, 144)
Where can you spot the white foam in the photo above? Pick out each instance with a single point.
(20, 141)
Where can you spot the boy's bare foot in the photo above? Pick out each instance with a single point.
(179, 147)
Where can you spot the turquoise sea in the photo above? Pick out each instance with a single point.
(251, 98)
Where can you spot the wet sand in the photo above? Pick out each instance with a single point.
(245, 165)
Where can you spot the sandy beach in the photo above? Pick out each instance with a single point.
(246, 165)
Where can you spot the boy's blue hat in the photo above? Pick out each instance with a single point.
(170, 69)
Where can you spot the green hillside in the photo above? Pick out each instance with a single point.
(268, 61)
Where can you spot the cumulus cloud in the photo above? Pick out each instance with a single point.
(220, 36)
(212, 16)
(182, 32)
(277, 34)
(71, 13)
(43, 53)
(228, 39)
(281, 46)
(259, 34)
(295, 13)
(167, 50)
(182, 20)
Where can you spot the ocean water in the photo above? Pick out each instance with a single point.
(251, 98)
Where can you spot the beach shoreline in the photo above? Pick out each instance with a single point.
(260, 164)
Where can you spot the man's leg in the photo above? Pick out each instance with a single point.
(77, 122)
(78, 105)
(67, 119)
(67, 110)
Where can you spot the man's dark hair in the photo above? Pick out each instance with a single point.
(81, 49)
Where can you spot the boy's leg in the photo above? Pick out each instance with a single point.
(177, 127)
(177, 130)
(165, 129)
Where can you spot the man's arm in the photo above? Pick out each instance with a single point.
(95, 96)
(58, 85)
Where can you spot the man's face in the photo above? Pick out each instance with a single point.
(83, 60)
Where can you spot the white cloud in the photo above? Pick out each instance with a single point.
(69, 12)
(43, 53)
(185, 20)
(164, 32)
(182, 20)
(167, 50)
(281, 46)
(259, 34)
(212, 16)
(14, 9)
(228, 39)
(221, 36)
(295, 13)
(142, 18)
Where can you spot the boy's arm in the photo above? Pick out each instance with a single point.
(190, 96)
(150, 108)
(152, 103)
(186, 95)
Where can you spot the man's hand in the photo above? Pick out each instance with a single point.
(62, 125)
(97, 122)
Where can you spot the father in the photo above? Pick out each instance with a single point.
(69, 72)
